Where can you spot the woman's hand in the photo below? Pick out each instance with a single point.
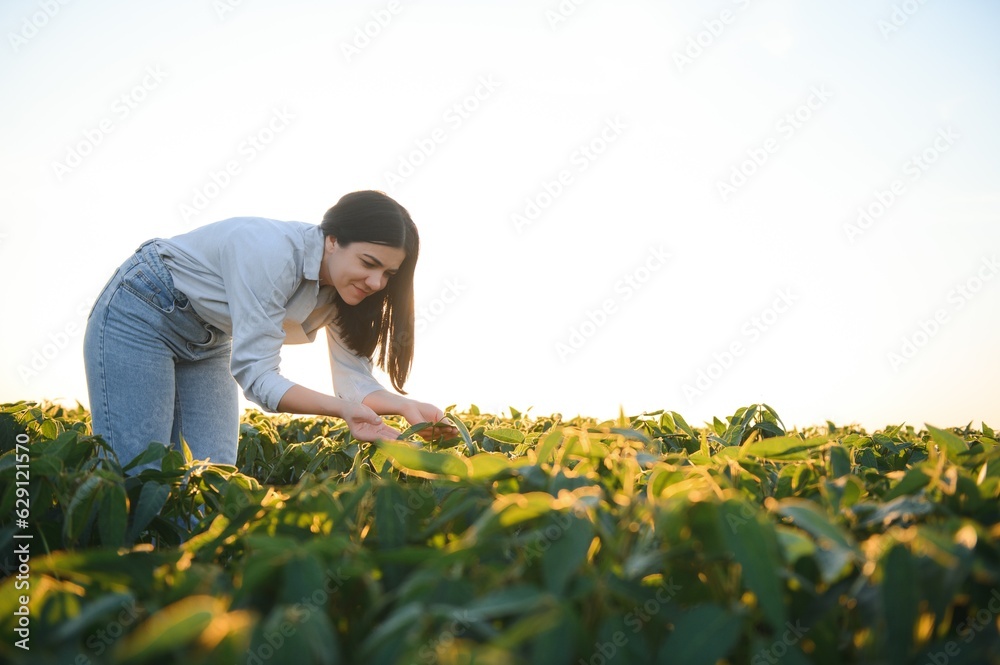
(384, 402)
(422, 412)
(365, 424)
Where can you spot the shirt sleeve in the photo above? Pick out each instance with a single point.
(352, 374)
(258, 279)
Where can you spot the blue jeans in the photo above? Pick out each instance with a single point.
(155, 369)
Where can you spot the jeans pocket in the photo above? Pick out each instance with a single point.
(218, 343)
(199, 334)
(147, 288)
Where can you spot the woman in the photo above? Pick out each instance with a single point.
(184, 316)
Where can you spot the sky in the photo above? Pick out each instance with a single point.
(638, 205)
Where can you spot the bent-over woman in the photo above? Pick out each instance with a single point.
(186, 319)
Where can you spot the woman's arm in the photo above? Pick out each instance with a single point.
(365, 424)
(299, 399)
(387, 403)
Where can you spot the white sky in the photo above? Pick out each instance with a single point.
(881, 93)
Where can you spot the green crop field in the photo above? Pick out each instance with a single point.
(524, 540)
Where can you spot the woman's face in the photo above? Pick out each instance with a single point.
(359, 269)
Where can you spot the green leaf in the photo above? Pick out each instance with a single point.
(379, 461)
(487, 465)
(702, 636)
(734, 435)
(548, 446)
(783, 447)
(211, 537)
(840, 461)
(268, 639)
(901, 509)
(404, 617)
(413, 429)
(836, 548)
(951, 445)
(172, 628)
(900, 600)
(186, 451)
(46, 466)
(632, 435)
(515, 600)
(152, 498)
(464, 432)
(301, 576)
(794, 544)
(807, 515)
(568, 538)
(754, 546)
(506, 435)
(154, 452)
(389, 527)
(99, 608)
(517, 508)
(320, 637)
(81, 507)
(49, 429)
(915, 479)
(112, 519)
(63, 446)
(424, 463)
(107, 568)
(541, 629)
(684, 427)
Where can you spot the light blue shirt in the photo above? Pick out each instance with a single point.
(258, 280)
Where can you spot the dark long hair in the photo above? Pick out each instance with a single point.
(383, 321)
